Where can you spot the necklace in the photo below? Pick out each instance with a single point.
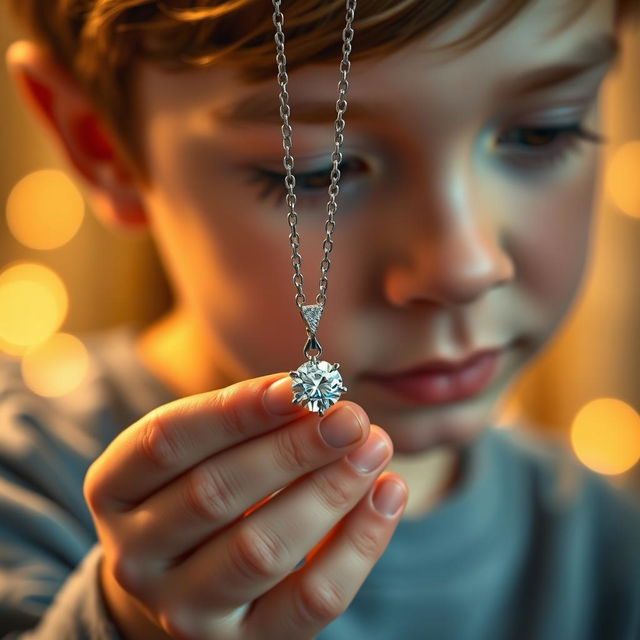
(317, 384)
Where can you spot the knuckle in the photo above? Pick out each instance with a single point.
(366, 543)
(209, 494)
(289, 450)
(229, 414)
(157, 441)
(258, 554)
(90, 489)
(319, 601)
(331, 492)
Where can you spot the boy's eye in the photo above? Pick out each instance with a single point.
(527, 147)
(312, 186)
(540, 146)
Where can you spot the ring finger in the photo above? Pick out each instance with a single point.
(260, 550)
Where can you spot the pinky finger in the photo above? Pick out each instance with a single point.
(308, 599)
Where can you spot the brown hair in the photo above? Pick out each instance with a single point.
(98, 41)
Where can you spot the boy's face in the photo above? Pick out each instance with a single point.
(463, 215)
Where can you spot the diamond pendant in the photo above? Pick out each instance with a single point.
(317, 384)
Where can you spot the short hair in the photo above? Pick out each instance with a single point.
(99, 41)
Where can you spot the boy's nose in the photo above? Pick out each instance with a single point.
(452, 265)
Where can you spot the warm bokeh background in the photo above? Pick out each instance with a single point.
(62, 273)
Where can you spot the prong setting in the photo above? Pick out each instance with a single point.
(317, 385)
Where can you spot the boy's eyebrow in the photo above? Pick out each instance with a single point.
(261, 109)
(592, 53)
(265, 109)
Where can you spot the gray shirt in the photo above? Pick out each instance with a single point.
(530, 545)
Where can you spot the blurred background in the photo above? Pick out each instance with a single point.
(63, 273)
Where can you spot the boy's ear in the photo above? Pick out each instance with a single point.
(70, 117)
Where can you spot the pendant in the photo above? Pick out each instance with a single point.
(317, 384)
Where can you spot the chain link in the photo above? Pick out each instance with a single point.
(336, 156)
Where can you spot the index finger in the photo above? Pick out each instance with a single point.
(178, 435)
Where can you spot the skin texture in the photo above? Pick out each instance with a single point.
(449, 238)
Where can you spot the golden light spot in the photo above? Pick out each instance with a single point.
(605, 435)
(45, 209)
(623, 178)
(56, 366)
(34, 304)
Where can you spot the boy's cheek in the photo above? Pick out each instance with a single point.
(552, 239)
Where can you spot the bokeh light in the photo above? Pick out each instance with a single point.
(605, 435)
(34, 304)
(623, 178)
(45, 209)
(56, 366)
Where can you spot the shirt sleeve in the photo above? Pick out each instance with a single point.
(77, 611)
(49, 553)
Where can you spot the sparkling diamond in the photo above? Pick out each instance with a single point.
(317, 385)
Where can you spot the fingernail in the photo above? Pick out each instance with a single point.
(371, 454)
(388, 497)
(341, 427)
(278, 398)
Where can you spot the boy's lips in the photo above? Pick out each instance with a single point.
(436, 365)
(440, 381)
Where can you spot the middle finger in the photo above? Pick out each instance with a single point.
(222, 488)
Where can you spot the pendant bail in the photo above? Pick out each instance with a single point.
(311, 314)
(311, 345)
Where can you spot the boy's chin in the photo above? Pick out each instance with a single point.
(415, 439)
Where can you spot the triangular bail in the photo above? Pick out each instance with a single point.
(311, 314)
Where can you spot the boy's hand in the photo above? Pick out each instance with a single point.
(185, 550)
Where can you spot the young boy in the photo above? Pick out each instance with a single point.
(466, 197)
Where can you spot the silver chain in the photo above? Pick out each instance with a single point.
(336, 156)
